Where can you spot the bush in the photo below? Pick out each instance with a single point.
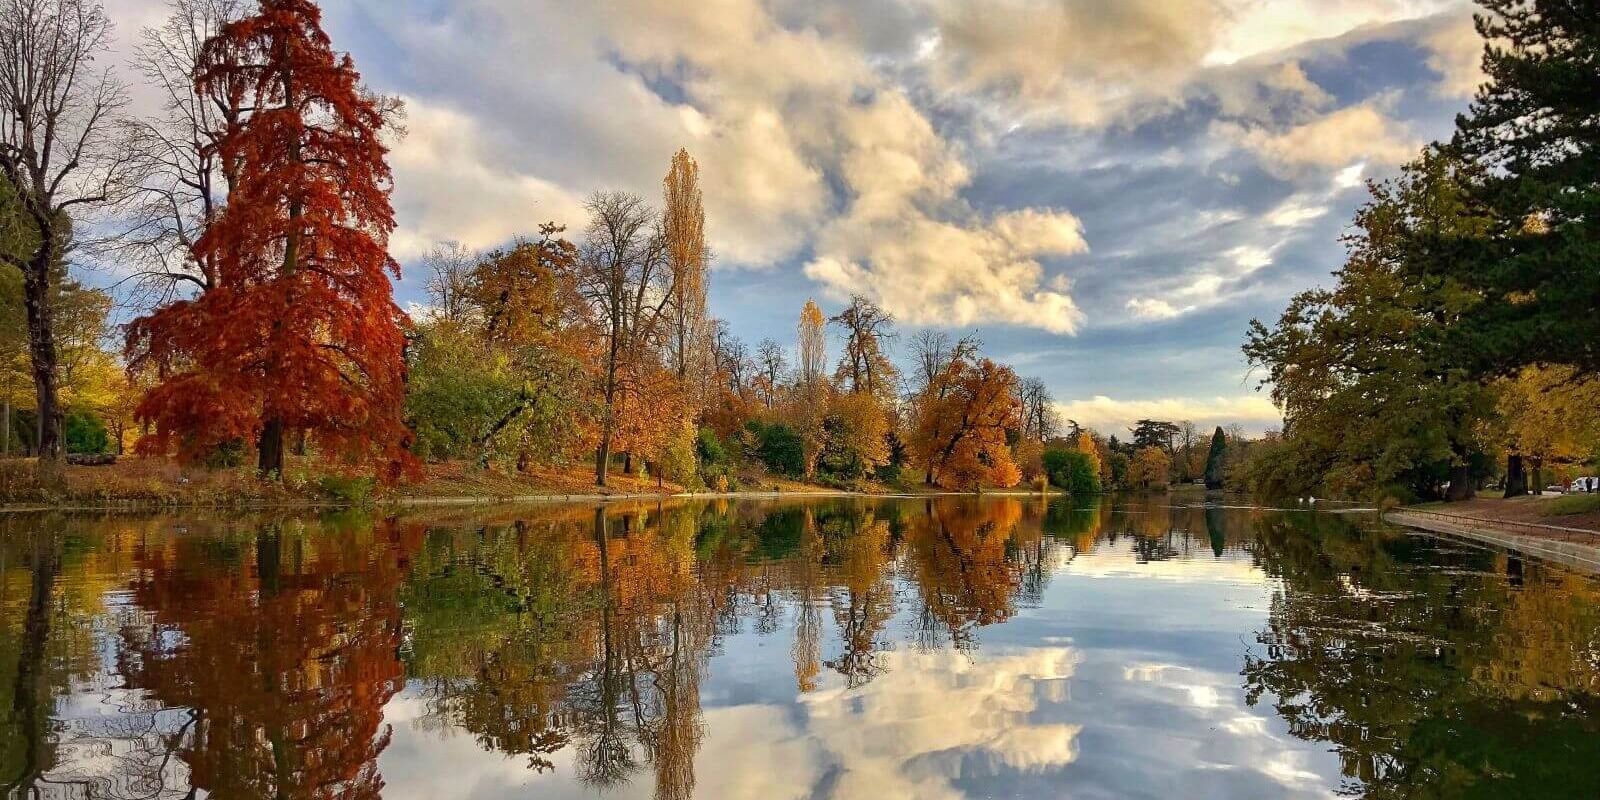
(677, 461)
(780, 449)
(86, 433)
(346, 489)
(715, 460)
(1071, 470)
(228, 455)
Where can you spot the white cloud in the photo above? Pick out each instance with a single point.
(1102, 413)
(955, 274)
(1080, 61)
(1152, 308)
(1259, 27)
(891, 737)
(1295, 212)
(466, 196)
(1456, 53)
(1358, 133)
(804, 146)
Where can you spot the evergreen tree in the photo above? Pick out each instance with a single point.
(1216, 459)
(1532, 132)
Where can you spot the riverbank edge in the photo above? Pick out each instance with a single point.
(147, 507)
(1581, 556)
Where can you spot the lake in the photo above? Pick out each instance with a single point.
(838, 648)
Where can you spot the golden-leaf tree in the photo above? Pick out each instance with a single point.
(683, 223)
(960, 424)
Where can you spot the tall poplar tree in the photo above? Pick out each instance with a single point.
(683, 222)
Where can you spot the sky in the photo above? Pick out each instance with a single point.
(1106, 193)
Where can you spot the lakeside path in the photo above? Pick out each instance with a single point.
(1574, 543)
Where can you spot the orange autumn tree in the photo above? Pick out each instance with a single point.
(960, 423)
(302, 332)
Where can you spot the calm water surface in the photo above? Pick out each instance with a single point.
(952, 648)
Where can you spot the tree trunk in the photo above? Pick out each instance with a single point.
(37, 298)
(602, 457)
(627, 463)
(1461, 486)
(30, 696)
(1538, 476)
(269, 451)
(1516, 476)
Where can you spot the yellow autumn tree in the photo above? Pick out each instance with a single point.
(807, 405)
(1549, 419)
(1086, 446)
(1150, 469)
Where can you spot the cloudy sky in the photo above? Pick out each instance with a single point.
(1107, 192)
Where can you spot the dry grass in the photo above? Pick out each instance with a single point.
(459, 479)
(142, 482)
(156, 482)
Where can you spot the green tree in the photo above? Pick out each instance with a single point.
(1531, 132)
(1217, 459)
(499, 375)
(779, 448)
(1072, 471)
(1154, 433)
(1374, 399)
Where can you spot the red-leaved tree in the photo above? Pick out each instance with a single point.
(301, 332)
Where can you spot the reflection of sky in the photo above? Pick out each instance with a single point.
(1122, 682)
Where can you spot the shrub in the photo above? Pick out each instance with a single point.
(780, 449)
(228, 455)
(1071, 470)
(86, 433)
(677, 461)
(346, 489)
(715, 460)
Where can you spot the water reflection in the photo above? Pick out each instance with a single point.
(845, 648)
(1425, 668)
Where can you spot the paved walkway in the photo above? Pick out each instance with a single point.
(1572, 547)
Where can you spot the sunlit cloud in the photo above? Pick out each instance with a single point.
(1054, 167)
(1337, 140)
(1105, 414)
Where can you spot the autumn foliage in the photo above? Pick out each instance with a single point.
(961, 424)
(301, 332)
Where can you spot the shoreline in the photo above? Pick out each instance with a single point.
(401, 502)
(1576, 548)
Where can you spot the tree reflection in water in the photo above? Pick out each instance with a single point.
(1429, 672)
(254, 658)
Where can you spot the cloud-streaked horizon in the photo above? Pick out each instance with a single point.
(1102, 182)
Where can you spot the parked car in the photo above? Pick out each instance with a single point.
(1557, 488)
(1587, 484)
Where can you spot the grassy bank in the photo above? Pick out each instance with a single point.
(150, 483)
(1580, 511)
(158, 483)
